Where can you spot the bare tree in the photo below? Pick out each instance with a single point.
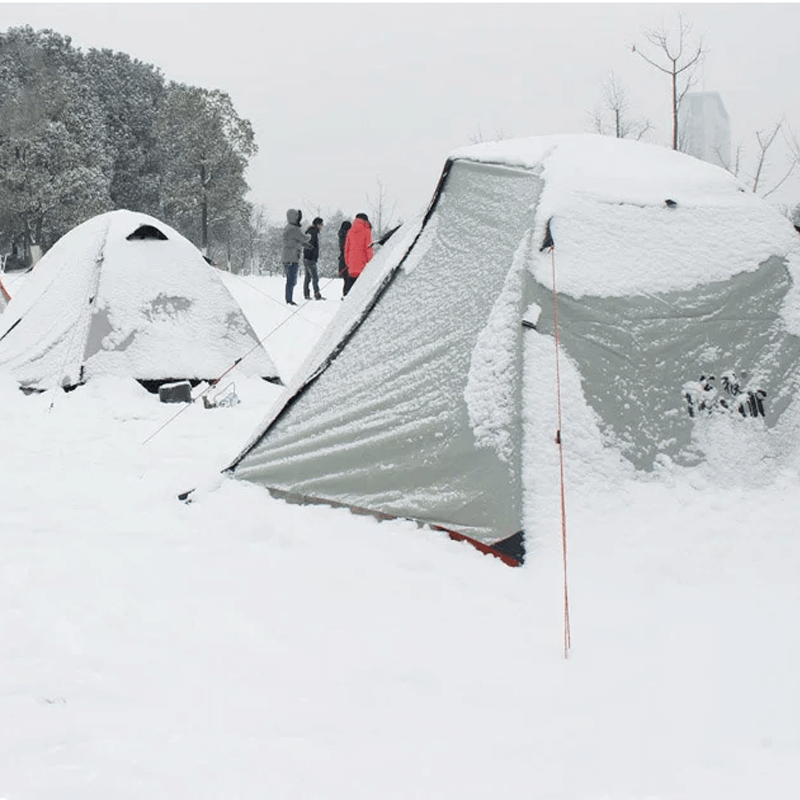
(679, 60)
(477, 138)
(615, 101)
(381, 214)
(765, 140)
(499, 136)
(734, 167)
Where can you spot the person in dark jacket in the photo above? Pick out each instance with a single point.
(343, 273)
(310, 258)
(294, 240)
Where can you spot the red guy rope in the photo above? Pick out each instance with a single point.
(567, 634)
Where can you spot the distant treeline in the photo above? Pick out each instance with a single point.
(86, 132)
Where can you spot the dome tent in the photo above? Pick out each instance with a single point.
(124, 294)
(437, 399)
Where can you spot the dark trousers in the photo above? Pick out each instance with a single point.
(291, 279)
(349, 280)
(311, 277)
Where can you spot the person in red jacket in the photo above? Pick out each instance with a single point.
(358, 246)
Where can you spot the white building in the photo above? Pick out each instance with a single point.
(705, 128)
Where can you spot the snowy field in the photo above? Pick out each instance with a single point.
(241, 648)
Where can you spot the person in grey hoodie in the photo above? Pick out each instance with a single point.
(294, 240)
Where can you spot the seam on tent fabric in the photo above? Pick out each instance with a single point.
(349, 334)
(92, 296)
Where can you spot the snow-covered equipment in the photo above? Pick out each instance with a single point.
(224, 398)
(433, 395)
(175, 392)
(124, 294)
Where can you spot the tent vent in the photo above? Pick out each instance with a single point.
(146, 232)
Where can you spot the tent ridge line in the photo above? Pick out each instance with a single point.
(92, 295)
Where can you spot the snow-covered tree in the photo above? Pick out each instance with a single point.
(54, 163)
(130, 92)
(81, 134)
(204, 147)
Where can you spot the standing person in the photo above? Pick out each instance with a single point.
(345, 275)
(294, 240)
(310, 258)
(358, 246)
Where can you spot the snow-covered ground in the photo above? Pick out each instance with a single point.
(238, 647)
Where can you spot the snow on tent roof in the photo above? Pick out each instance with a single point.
(436, 400)
(615, 233)
(149, 307)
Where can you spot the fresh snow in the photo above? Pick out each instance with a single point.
(615, 235)
(241, 647)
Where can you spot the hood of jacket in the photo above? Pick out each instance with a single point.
(360, 224)
(293, 216)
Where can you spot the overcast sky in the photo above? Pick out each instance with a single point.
(342, 96)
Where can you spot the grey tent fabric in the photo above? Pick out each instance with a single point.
(637, 354)
(387, 418)
(420, 406)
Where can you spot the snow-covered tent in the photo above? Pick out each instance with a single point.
(124, 294)
(436, 394)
